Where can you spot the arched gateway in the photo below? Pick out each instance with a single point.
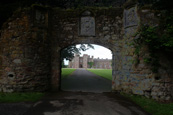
(32, 39)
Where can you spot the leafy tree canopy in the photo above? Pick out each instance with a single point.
(90, 64)
(68, 53)
(158, 38)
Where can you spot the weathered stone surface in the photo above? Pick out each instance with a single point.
(138, 91)
(130, 17)
(30, 46)
(87, 26)
(17, 61)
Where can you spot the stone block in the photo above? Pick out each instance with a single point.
(147, 94)
(154, 93)
(156, 88)
(67, 28)
(168, 98)
(137, 91)
(114, 37)
(70, 37)
(106, 32)
(107, 37)
(17, 61)
(129, 32)
(144, 11)
(155, 84)
(106, 28)
(6, 90)
(145, 84)
(160, 93)
(155, 97)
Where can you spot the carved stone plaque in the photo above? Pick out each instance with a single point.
(40, 17)
(130, 17)
(87, 26)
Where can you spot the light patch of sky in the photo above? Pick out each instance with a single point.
(98, 52)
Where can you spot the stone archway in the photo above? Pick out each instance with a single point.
(87, 28)
(46, 32)
(31, 41)
(58, 63)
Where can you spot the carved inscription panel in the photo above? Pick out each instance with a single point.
(130, 17)
(40, 17)
(87, 26)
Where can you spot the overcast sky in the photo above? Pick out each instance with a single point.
(98, 51)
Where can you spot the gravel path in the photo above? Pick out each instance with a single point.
(85, 81)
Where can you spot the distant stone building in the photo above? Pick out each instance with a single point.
(89, 62)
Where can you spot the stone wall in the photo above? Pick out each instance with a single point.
(102, 63)
(66, 24)
(32, 39)
(139, 78)
(25, 54)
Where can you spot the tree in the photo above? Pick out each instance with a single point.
(90, 64)
(68, 53)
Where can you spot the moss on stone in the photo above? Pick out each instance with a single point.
(41, 7)
(96, 11)
(130, 3)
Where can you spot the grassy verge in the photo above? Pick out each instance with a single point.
(66, 72)
(106, 73)
(151, 106)
(20, 97)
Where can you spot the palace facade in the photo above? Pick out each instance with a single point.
(90, 62)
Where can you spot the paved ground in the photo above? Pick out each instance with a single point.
(83, 103)
(14, 108)
(85, 81)
(77, 103)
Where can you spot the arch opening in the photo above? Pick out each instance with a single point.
(93, 70)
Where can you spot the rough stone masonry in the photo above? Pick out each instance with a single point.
(32, 39)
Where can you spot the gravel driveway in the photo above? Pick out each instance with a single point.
(85, 81)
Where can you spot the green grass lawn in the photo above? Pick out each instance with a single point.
(106, 73)
(66, 72)
(151, 106)
(20, 97)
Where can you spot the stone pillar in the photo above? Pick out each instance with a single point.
(116, 69)
(56, 72)
(113, 71)
(0, 58)
(122, 53)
